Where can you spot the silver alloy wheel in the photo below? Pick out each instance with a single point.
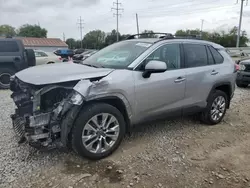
(218, 108)
(5, 79)
(100, 133)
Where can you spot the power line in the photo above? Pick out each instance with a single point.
(117, 14)
(240, 21)
(80, 22)
(166, 13)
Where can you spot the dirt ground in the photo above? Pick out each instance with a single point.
(181, 153)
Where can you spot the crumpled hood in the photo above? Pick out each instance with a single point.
(60, 72)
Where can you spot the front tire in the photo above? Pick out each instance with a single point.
(98, 131)
(216, 108)
(5, 74)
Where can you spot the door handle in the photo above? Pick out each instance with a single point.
(214, 72)
(180, 79)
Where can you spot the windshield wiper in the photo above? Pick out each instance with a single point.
(91, 65)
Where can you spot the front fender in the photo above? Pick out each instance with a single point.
(101, 89)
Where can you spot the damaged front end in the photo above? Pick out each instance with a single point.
(40, 111)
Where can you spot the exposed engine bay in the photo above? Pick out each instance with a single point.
(40, 111)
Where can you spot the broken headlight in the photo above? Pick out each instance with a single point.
(76, 98)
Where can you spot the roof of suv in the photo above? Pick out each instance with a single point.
(154, 40)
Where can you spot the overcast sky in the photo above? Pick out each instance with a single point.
(59, 16)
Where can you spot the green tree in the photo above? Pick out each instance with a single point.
(224, 38)
(94, 39)
(32, 31)
(148, 34)
(71, 43)
(112, 37)
(7, 31)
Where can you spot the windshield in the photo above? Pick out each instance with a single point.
(118, 55)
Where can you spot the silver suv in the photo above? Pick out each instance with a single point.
(91, 106)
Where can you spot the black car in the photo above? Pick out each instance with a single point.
(80, 56)
(243, 75)
(79, 51)
(13, 58)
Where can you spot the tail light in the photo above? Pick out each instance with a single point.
(60, 58)
(236, 67)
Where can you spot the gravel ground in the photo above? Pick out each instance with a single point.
(174, 154)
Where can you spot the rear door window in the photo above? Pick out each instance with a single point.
(217, 56)
(210, 57)
(195, 55)
(8, 46)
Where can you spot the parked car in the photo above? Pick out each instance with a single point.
(13, 58)
(46, 57)
(84, 55)
(79, 56)
(90, 107)
(79, 51)
(64, 53)
(243, 75)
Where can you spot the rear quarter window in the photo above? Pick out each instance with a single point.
(9, 46)
(217, 56)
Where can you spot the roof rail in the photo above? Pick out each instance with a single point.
(197, 37)
(166, 36)
(133, 36)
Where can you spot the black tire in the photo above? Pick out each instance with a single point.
(86, 113)
(31, 57)
(4, 80)
(241, 85)
(206, 114)
(50, 62)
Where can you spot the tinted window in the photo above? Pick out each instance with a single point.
(210, 57)
(169, 53)
(217, 57)
(8, 46)
(195, 55)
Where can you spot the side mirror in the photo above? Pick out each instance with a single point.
(154, 66)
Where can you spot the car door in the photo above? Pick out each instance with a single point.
(161, 93)
(201, 74)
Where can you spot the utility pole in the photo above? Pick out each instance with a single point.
(202, 22)
(240, 21)
(117, 14)
(81, 28)
(137, 23)
(63, 37)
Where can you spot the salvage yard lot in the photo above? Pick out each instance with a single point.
(175, 154)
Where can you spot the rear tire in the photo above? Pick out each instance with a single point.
(31, 57)
(241, 85)
(5, 74)
(102, 144)
(213, 109)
